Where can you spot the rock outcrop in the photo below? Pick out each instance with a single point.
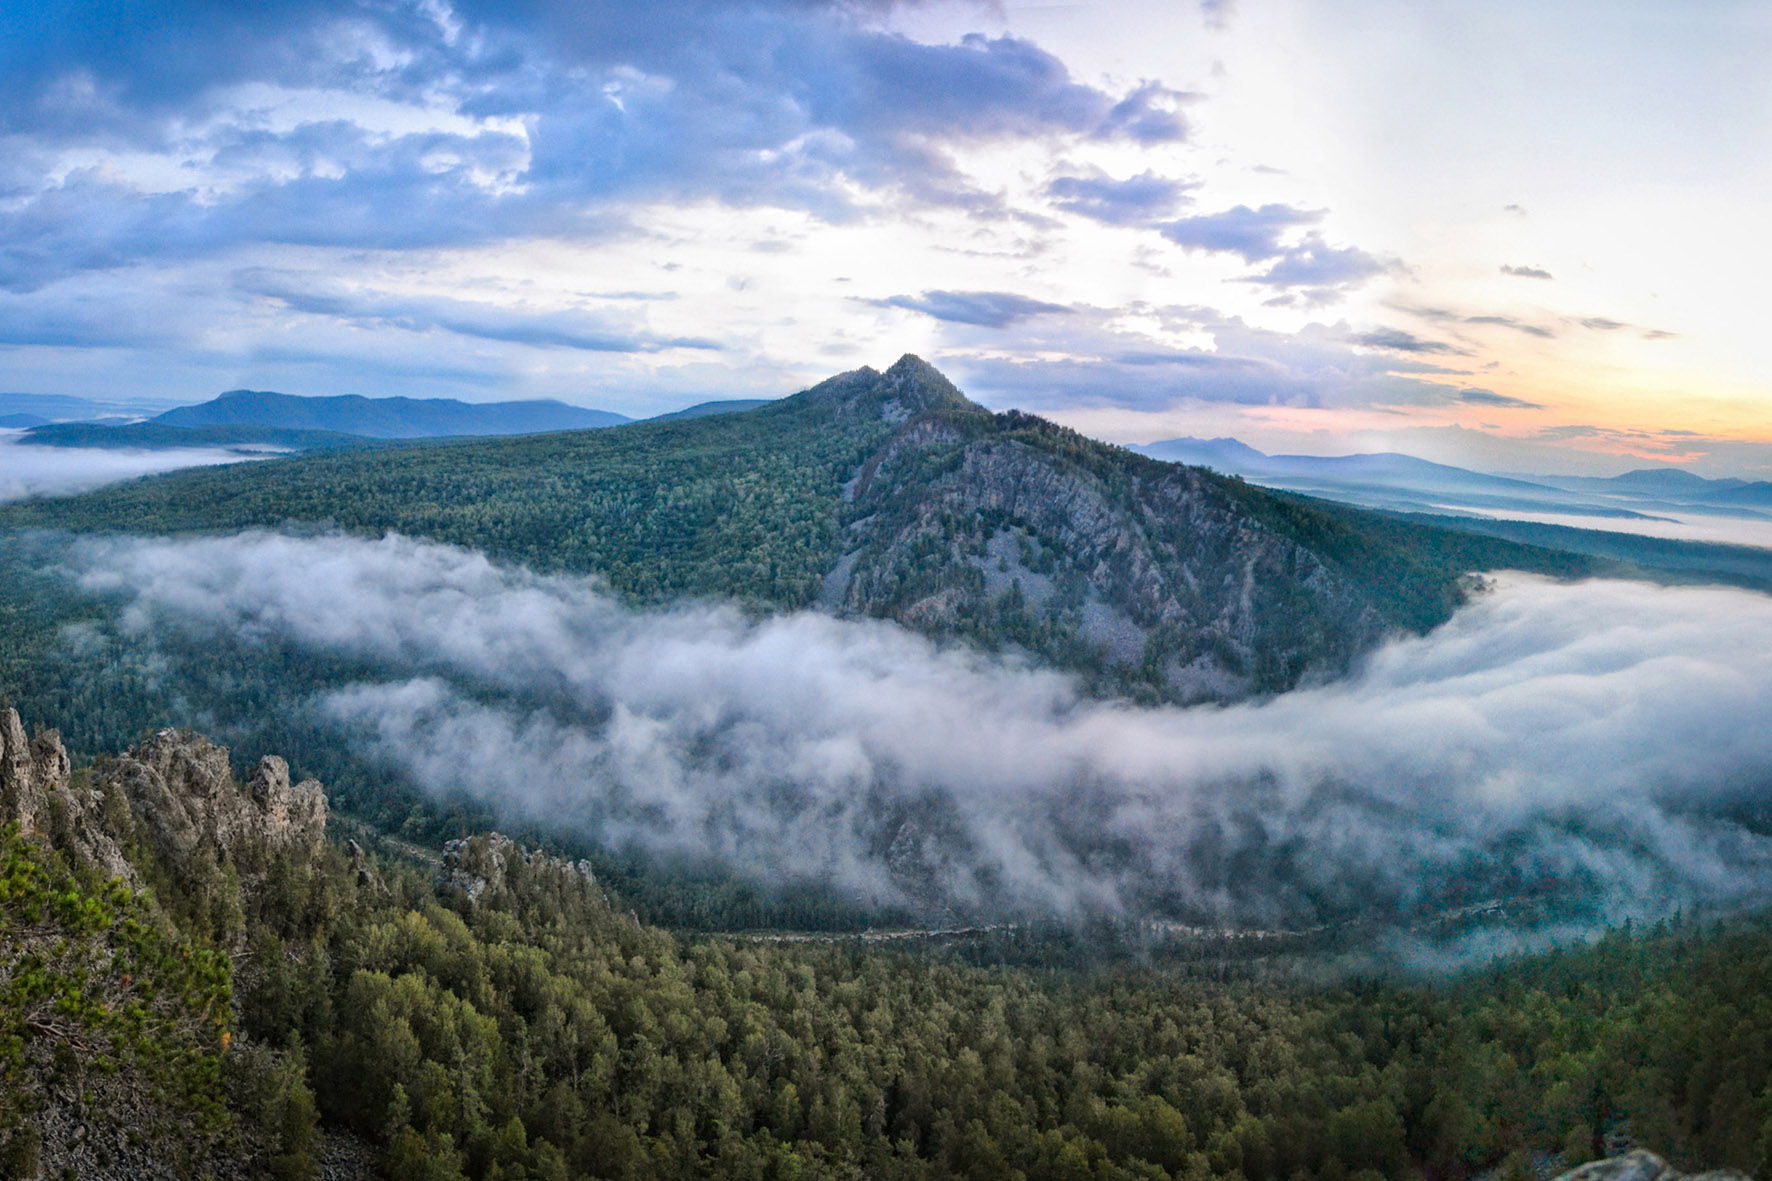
(175, 793)
(964, 522)
(30, 770)
(38, 792)
(180, 788)
(479, 866)
(1643, 1166)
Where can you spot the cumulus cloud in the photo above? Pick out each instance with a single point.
(1254, 234)
(27, 470)
(1598, 745)
(1312, 271)
(1527, 272)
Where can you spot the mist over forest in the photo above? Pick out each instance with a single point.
(27, 470)
(1592, 745)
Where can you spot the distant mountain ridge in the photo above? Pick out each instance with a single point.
(1393, 480)
(386, 418)
(68, 408)
(719, 406)
(253, 421)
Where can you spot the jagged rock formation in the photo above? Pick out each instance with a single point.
(180, 787)
(39, 793)
(166, 815)
(480, 866)
(174, 792)
(1643, 1166)
(30, 769)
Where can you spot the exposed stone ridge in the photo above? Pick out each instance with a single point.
(179, 786)
(1153, 552)
(179, 792)
(483, 865)
(1644, 1166)
(38, 792)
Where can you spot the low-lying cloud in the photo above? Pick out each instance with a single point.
(1600, 744)
(28, 470)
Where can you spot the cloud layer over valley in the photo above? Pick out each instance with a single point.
(1598, 744)
(27, 470)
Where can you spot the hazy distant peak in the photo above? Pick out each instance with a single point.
(1661, 477)
(386, 418)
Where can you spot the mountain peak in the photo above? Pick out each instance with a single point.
(1661, 477)
(912, 386)
(919, 386)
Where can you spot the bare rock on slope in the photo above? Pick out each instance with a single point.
(482, 865)
(30, 769)
(38, 791)
(969, 523)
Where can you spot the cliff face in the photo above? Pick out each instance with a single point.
(118, 1000)
(1007, 526)
(174, 794)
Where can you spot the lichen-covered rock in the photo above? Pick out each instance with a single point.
(38, 792)
(291, 814)
(183, 795)
(475, 865)
(175, 793)
(367, 878)
(30, 769)
(1643, 1166)
(480, 866)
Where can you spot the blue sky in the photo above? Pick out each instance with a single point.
(1511, 235)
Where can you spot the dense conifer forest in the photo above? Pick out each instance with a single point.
(509, 1019)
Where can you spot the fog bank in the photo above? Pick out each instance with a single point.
(28, 470)
(1601, 743)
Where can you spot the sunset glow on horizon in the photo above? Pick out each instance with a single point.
(1511, 236)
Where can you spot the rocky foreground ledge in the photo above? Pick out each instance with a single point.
(179, 792)
(1644, 1166)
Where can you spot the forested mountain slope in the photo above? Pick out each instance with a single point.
(890, 495)
(199, 979)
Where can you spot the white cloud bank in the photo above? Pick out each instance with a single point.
(1604, 742)
(28, 470)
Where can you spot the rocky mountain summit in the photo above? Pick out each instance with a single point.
(1146, 576)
